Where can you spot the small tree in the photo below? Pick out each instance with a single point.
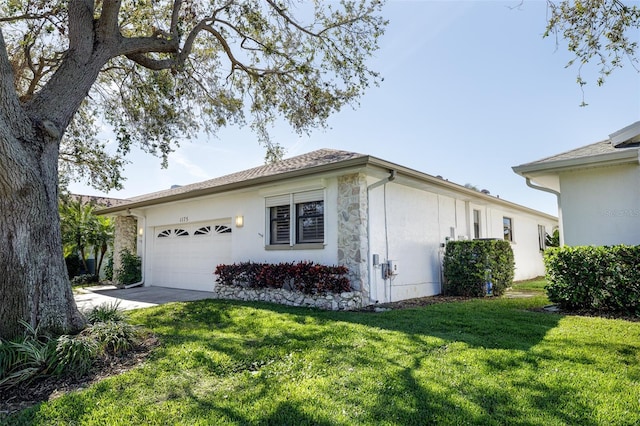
(77, 222)
(83, 231)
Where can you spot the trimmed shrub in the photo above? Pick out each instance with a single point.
(307, 277)
(605, 279)
(466, 265)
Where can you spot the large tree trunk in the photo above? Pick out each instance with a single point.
(34, 286)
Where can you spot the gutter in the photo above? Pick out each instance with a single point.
(557, 194)
(381, 182)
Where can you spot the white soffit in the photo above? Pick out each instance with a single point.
(627, 135)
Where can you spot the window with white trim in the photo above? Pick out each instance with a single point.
(296, 218)
(476, 224)
(507, 226)
(542, 237)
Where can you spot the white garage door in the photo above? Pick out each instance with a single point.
(186, 256)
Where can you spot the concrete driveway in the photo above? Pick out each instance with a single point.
(134, 298)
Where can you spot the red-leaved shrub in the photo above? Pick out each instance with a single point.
(307, 277)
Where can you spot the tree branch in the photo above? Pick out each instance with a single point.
(175, 18)
(150, 63)
(81, 28)
(28, 16)
(10, 107)
(107, 27)
(140, 45)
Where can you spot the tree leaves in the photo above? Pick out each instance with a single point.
(176, 68)
(600, 31)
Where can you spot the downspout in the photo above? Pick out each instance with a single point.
(392, 176)
(144, 249)
(557, 194)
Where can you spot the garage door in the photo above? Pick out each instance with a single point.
(186, 256)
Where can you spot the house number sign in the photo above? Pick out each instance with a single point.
(184, 219)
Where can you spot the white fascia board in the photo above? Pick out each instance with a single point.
(609, 159)
(630, 133)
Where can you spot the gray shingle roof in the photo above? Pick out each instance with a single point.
(591, 153)
(323, 160)
(321, 157)
(598, 148)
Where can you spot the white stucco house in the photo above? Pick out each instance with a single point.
(597, 187)
(330, 207)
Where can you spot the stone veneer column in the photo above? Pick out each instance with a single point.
(126, 233)
(352, 230)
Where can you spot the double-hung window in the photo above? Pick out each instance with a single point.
(507, 226)
(476, 224)
(542, 237)
(296, 219)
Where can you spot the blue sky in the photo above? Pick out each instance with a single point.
(470, 89)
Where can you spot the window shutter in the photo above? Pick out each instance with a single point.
(305, 197)
(279, 200)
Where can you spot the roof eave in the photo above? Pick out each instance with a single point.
(354, 163)
(234, 186)
(608, 159)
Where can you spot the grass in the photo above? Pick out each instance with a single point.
(485, 361)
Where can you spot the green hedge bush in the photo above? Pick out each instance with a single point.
(307, 277)
(465, 267)
(605, 279)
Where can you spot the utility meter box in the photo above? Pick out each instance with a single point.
(393, 267)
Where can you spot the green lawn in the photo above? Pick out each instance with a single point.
(486, 361)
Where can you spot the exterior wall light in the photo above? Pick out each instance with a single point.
(140, 231)
(239, 221)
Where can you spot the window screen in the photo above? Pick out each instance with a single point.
(310, 218)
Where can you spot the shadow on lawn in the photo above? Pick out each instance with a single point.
(398, 358)
(409, 395)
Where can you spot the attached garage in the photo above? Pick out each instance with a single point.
(185, 256)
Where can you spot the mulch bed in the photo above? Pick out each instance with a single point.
(26, 395)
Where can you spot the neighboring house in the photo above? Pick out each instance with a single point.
(597, 188)
(330, 207)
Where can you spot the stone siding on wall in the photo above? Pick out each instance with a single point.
(338, 301)
(126, 233)
(352, 230)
